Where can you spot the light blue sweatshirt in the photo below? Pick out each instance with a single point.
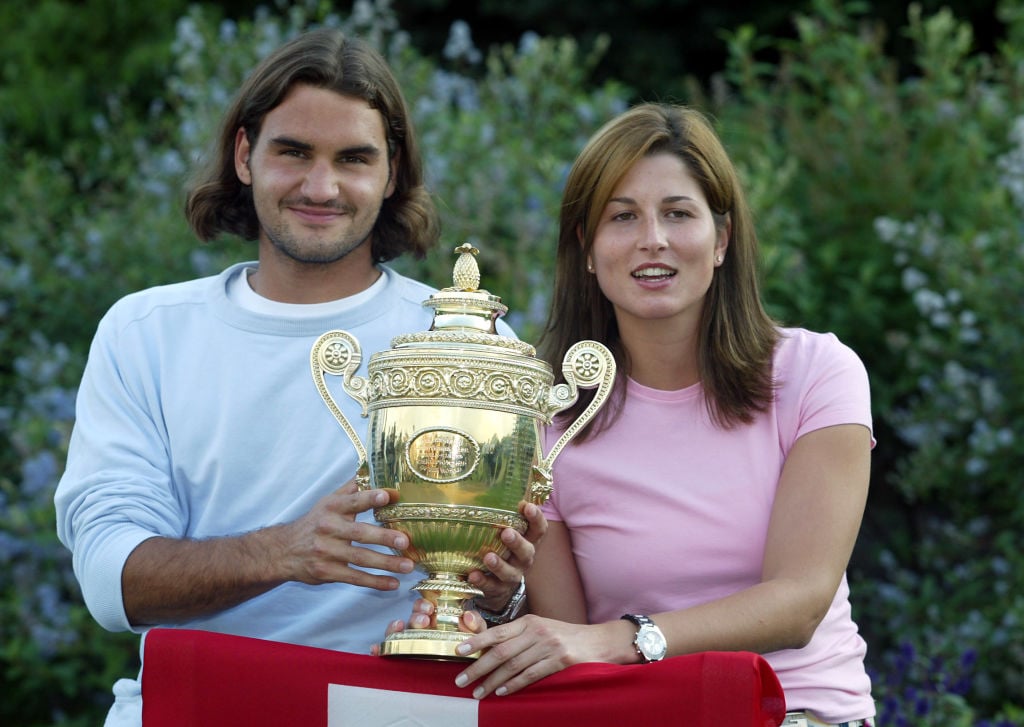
(197, 417)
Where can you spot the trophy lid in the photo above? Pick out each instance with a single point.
(464, 306)
(464, 314)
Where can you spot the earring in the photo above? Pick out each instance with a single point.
(718, 259)
(590, 265)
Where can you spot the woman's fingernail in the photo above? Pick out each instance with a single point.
(461, 680)
(463, 649)
(501, 691)
(478, 693)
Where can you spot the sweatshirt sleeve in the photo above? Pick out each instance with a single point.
(115, 491)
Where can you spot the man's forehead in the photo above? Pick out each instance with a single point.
(315, 115)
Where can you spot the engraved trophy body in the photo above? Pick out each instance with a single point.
(455, 425)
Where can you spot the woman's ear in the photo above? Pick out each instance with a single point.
(724, 235)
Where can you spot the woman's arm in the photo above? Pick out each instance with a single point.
(815, 518)
(553, 587)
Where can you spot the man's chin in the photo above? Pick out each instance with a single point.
(316, 252)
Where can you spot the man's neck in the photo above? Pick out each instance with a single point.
(287, 281)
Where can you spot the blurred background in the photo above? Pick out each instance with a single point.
(882, 146)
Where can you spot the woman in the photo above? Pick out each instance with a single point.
(717, 498)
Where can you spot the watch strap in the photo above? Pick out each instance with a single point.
(638, 619)
(512, 609)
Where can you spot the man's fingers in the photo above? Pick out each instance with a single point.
(348, 500)
(472, 623)
(369, 534)
(361, 578)
(354, 554)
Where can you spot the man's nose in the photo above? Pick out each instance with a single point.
(321, 182)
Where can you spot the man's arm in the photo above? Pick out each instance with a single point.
(168, 580)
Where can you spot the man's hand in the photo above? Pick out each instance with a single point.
(170, 580)
(326, 544)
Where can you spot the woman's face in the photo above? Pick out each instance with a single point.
(656, 246)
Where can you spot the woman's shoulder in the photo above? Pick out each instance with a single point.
(800, 347)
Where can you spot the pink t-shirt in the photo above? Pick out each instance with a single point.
(667, 511)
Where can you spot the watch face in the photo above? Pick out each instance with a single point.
(651, 643)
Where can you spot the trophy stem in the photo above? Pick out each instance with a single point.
(449, 593)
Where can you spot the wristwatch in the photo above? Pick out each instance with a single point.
(649, 642)
(512, 609)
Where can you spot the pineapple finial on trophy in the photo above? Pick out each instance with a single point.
(466, 275)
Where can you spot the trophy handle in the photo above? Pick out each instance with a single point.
(338, 353)
(587, 364)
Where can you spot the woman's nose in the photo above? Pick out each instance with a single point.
(653, 236)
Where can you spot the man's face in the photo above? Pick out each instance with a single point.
(319, 173)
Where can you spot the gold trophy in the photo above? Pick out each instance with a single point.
(455, 416)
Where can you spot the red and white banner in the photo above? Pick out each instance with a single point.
(201, 679)
(362, 707)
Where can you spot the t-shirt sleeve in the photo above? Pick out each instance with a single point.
(822, 383)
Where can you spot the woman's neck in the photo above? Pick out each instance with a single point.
(661, 357)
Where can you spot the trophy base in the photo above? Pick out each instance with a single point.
(426, 644)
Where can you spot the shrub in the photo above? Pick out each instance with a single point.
(105, 219)
(889, 208)
(895, 222)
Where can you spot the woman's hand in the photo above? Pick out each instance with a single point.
(516, 654)
(504, 575)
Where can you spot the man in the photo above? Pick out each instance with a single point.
(207, 485)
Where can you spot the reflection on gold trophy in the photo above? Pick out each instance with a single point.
(455, 421)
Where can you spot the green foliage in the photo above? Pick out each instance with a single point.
(890, 213)
(500, 142)
(61, 61)
(888, 204)
(101, 216)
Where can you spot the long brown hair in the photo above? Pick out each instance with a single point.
(736, 337)
(325, 58)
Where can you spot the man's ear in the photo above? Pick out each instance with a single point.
(242, 151)
(392, 175)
